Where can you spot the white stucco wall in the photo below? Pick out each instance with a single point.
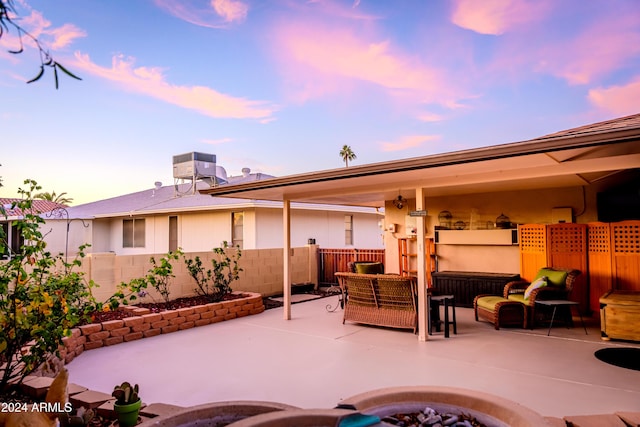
(55, 233)
(100, 236)
(202, 231)
(326, 227)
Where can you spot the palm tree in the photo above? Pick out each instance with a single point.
(56, 198)
(347, 154)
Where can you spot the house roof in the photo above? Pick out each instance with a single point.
(178, 199)
(38, 206)
(575, 157)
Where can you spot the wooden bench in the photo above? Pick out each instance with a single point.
(380, 299)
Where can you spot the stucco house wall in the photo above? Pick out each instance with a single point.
(202, 231)
(326, 227)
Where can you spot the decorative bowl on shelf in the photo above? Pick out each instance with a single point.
(503, 221)
(444, 218)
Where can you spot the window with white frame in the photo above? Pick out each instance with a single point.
(133, 233)
(348, 229)
(237, 228)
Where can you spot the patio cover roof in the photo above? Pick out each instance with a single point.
(574, 157)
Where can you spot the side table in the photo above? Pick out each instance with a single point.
(555, 303)
(434, 302)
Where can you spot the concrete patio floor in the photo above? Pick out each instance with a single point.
(314, 361)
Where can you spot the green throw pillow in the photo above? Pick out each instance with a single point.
(369, 268)
(554, 277)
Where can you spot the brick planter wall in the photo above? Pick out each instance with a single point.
(146, 324)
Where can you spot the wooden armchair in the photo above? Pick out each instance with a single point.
(559, 284)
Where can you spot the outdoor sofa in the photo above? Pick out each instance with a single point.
(387, 300)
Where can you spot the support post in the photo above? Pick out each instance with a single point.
(286, 258)
(423, 308)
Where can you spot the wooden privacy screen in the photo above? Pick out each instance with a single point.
(567, 249)
(599, 259)
(607, 254)
(625, 255)
(533, 249)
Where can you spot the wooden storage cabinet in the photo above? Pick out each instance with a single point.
(465, 285)
(620, 315)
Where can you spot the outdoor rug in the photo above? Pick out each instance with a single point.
(298, 298)
(623, 357)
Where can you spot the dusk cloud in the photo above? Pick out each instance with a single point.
(599, 49)
(151, 82)
(230, 10)
(620, 100)
(213, 14)
(341, 59)
(496, 17)
(51, 37)
(430, 117)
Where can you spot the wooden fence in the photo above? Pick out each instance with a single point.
(334, 260)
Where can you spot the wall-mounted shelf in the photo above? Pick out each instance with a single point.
(504, 237)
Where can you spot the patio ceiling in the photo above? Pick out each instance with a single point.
(576, 157)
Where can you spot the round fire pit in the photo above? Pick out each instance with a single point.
(216, 414)
(492, 411)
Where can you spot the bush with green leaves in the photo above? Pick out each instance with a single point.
(214, 283)
(158, 277)
(41, 296)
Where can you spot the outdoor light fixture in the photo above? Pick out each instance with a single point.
(399, 202)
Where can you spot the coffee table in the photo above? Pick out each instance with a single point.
(555, 303)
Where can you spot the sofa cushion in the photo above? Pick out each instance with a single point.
(369, 268)
(536, 284)
(554, 277)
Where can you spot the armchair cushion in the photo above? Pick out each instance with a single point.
(554, 277)
(521, 299)
(536, 284)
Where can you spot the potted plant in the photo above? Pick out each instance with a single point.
(127, 404)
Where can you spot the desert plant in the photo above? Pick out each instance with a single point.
(127, 404)
(214, 283)
(41, 296)
(125, 393)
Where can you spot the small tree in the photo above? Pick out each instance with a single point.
(158, 276)
(214, 283)
(41, 297)
(347, 154)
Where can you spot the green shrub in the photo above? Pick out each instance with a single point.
(158, 277)
(215, 283)
(41, 296)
